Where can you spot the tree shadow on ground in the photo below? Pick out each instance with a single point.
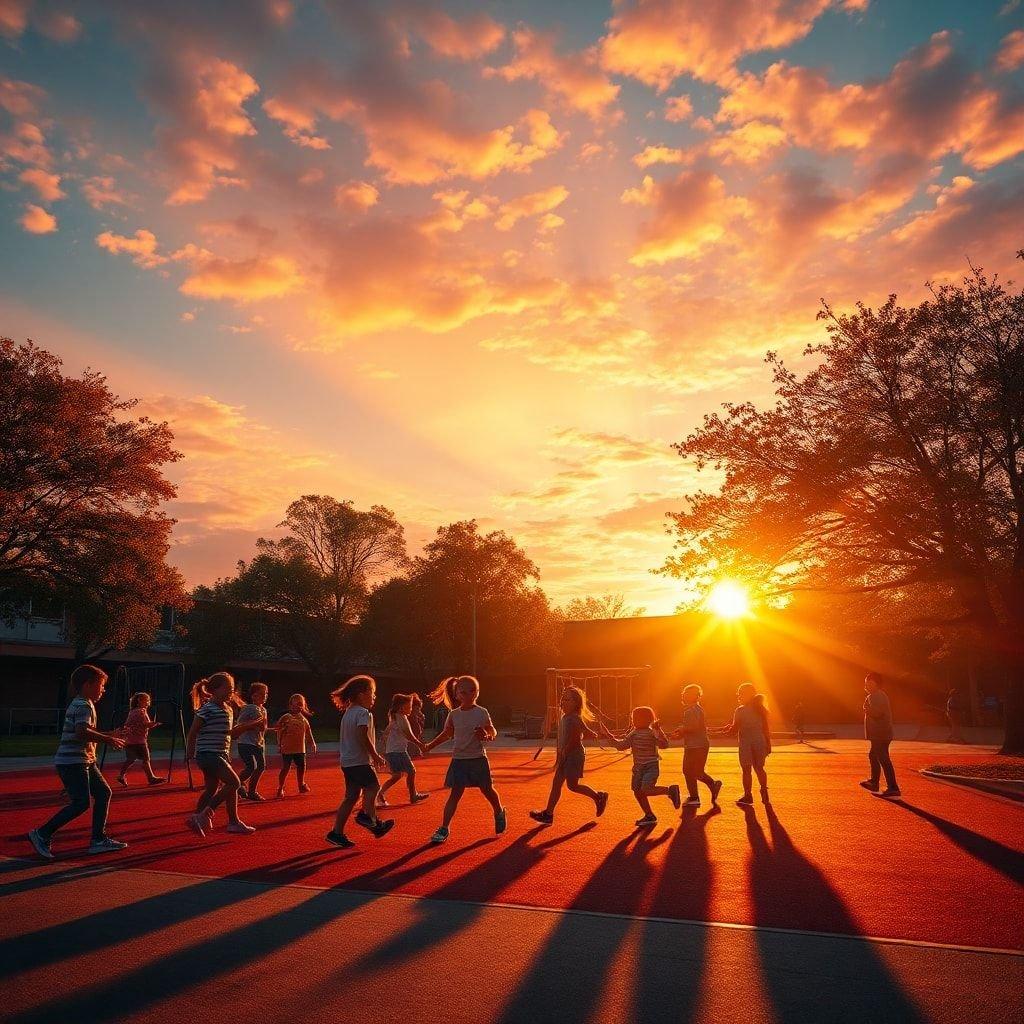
(801, 971)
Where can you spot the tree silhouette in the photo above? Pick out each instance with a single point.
(896, 464)
(607, 606)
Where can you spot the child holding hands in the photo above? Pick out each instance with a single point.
(644, 740)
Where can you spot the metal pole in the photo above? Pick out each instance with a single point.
(473, 602)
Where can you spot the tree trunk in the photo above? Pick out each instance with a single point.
(972, 687)
(1013, 711)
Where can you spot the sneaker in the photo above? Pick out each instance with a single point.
(303, 788)
(692, 801)
(764, 797)
(243, 793)
(382, 827)
(871, 787)
(382, 801)
(157, 782)
(206, 816)
(544, 817)
(106, 845)
(339, 839)
(255, 797)
(746, 800)
(362, 818)
(440, 836)
(122, 781)
(716, 788)
(279, 794)
(600, 803)
(239, 828)
(892, 791)
(40, 845)
(500, 821)
(418, 798)
(674, 796)
(196, 825)
(646, 821)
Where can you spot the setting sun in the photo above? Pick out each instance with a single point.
(729, 600)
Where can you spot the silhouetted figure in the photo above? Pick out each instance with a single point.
(878, 732)
(954, 716)
(754, 739)
(696, 747)
(799, 718)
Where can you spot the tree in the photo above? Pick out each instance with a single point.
(895, 465)
(81, 485)
(313, 582)
(465, 586)
(607, 606)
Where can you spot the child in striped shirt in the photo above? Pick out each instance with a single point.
(644, 740)
(76, 766)
(209, 744)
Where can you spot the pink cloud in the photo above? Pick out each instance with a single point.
(356, 195)
(248, 280)
(37, 221)
(47, 185)
(468, 38)
(678, 108)
(1011, 52)
(530, 205)
(142, 247)
(13, 17)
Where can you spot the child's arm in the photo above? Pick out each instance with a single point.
(367, 740)
(193, 735)
(726, 730)
(310, 736)
(587, 731)
(407, 732)
(486, 732)
(84, 733)
(442, 737)
(620, 744)
(659, 735)
(253, 723)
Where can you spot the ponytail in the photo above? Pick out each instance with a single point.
(343, 696)
(203, 690)
(444, 692)
(200, 693)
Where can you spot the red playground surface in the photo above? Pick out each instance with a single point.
(825, 857)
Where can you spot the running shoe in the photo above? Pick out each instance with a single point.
(891, 793)
(122, 781)
(239, 828)
(764, 797)
(440, 836)
(674, 796)
(40, 845)
(157, 782)
(716, 788)
(647, 821)
(303, 788)
(418, 798)
(692, 801)
(382, 827)
(339, 839)
(544, 817)
(746, 800)
(106, 845)
(871, 787)
(255, 797)
(382, 801)
(600, 803)
(196, 825)
(500, 821)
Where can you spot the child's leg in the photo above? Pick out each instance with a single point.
(76, 784)
(210, 784)
(745, 772)
(129, 760)
(259, 767)
(147, 764)
(656, 791)
(450, 805)
(395, 777)
(228, 792)
(410, 778)
(286, 763)
(491, 796)
(249, 760)
(645, 804)
(575, 786)
(99, 790)
(370, 800)
(345, 807)
(762, 775)
(300, 770)
(556, 791)
(689, 774)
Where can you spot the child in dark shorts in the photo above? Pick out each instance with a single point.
(398, 739)
(469, 726)
(293, 733)
(644, 740)
(359, 757)
(252, 748)
(572, 727)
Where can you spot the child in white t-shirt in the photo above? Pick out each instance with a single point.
(398, 737)
(359, 757)
(469, 726)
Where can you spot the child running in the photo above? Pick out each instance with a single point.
(644, 740)
(76, 766)
(293, 731)
(469, 726)
(696, 747)
(136, 738)
(252, 748)
(417, 723)
(209, 744)
(359, 757)
(399, 738)
(572, 727)
(750, 727)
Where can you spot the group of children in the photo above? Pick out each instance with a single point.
(468, 727)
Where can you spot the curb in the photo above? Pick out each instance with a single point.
(1014, 788)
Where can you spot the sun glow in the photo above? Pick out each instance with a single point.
(729, 600)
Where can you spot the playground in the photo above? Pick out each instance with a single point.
(828, 905)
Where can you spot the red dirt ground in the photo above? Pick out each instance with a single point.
(943, 865)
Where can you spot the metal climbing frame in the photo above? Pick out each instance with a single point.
(611, 692)
(165, 683)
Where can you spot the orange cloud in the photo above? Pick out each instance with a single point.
(530, 205)
(13, 17)
(356, 195)
(249, 280)
(102, 192)
(656, 41)
(142, 247)
(1011, 52)
(468, 38)
(652, 155)
(576, 80)
(47, 185)
(678, 108)
(690, 213)
(930, 104)
(37, 221)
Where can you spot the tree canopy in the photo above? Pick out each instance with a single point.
(895, 465)
(606, 606)
(81, 489)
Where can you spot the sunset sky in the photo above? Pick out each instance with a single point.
(483, 259)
